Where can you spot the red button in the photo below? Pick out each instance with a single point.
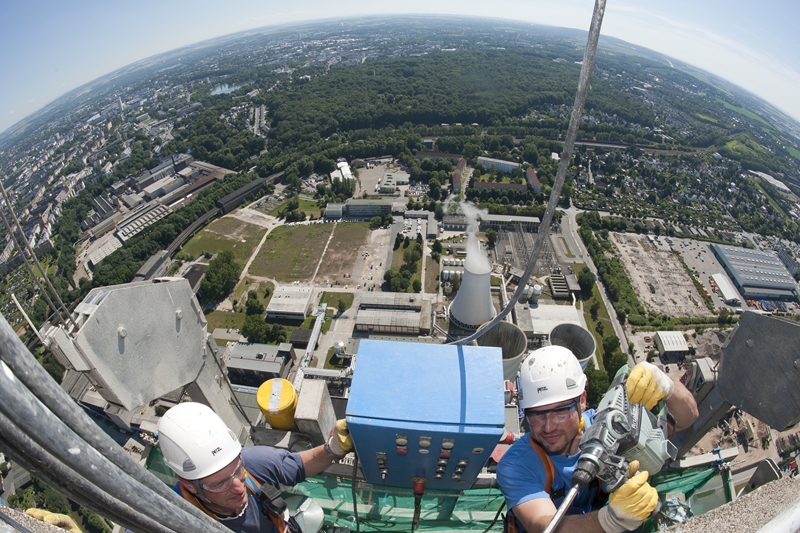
(402, 451)
(444, 454)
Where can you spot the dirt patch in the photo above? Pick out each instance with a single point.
(355, 251)
(226, 233)
(658, 277)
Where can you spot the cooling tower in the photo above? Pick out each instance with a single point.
(574, 338)
(473, 303)
(513, 343)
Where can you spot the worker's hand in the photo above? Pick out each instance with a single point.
(629, 505)
(59, 520)
(340, 443)
(647, 384)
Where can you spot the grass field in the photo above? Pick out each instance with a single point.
(566, 247)
(397, 262)
(332, 299)
(248, 284)
(794, 152)
(221, 319)
(231, 234)
(743, 111)
(291, 252)
(341, 253)
(431, 273)
(308, 206)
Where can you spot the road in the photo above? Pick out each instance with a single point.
(569, 231)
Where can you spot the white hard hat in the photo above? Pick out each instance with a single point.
(195, 441)
(550, 375)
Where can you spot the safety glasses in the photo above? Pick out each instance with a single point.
(557, 415)
(224, 484)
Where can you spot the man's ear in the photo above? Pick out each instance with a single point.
(583, 401)
(186, 485)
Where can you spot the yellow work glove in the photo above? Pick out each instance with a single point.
(647, 384)
(340, 443)
(59, 520)
(629, 505)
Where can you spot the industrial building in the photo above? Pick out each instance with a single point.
(250, 364)
(394, 312)
(234, 199)
(509, 223)
(144, 216)
(290, 302)
(368, 208)
(458, 174)
(671, 345)
(392, 180)
(758, 275)
(726, 289)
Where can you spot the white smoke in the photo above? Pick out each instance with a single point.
(476, 262)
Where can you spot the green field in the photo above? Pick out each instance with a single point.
(332, 299)
(221, 319)
(602, 317)
(397, 262)
(248, 284)
(310, 207)
(291, 252)
(231, 234)
(566, 247)
(431, 273)
(743, 111)
(794, 152)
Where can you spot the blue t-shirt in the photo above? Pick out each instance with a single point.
(274, 467)
(521, 475)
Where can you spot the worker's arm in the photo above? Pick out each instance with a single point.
(647, 384)
(682, 407)
(627, 508)
(339, 444)
(536, 514)
(315, 460)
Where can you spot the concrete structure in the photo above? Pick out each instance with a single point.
(153, 267)
(104, 251)
(671, 346)
(250, 364)
(497, 164)
(727, 290)
(334, 211)
(394, 312)
(757, 274)
(791, 263)
(234, 199)
(290, 302)
(510, 223)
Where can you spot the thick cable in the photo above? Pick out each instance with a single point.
(41, 464)
(353, 481)
(563, 166)
(33, 254)
(25, 411)
(40, 384)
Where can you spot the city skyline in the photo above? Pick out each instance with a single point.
(57, 48)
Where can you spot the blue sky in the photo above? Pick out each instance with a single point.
(51, 47)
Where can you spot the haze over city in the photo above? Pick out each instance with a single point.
(54, 48)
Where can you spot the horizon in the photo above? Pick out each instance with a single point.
(61, 59)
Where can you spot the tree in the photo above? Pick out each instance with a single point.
(341, 307)
(437, 246)
(491, 237)
(416, 285)
(596, 385)
(610, 344)
(375, 222)
(614, 362)
(253, 306)
(398, 241)
(255, 329)
(586, 279)
(220, 276)
(594, 308)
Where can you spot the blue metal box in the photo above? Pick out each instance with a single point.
(422, 411)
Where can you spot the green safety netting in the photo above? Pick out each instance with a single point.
(688, 492)
(392, 509)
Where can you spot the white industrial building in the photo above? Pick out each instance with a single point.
(497, 164)
(290, 302)
(727, 291)
(671, 346)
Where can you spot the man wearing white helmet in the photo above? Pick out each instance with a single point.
(224, 480)
(535, 473)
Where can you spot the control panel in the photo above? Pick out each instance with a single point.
(425, 412)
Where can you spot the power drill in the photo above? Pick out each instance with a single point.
(621, 432)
